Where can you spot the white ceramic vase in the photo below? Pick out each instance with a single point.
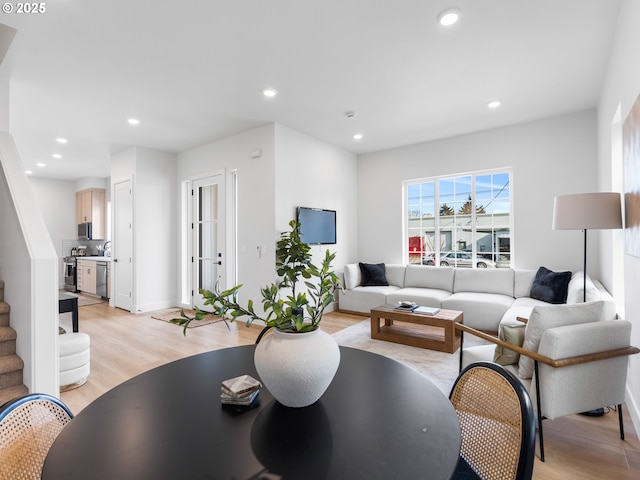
(297, 368)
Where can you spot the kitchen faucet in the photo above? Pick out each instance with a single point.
(108, 242)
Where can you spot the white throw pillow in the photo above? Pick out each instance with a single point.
(551, 316)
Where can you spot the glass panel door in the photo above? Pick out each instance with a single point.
(208, 236)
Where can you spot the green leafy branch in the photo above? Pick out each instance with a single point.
(293, 261)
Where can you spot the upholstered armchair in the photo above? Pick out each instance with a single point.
(569, 360)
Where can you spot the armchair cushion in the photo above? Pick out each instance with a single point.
(551, 316)
(514, 334)
(549, 286)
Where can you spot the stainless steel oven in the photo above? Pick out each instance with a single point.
(70, 274)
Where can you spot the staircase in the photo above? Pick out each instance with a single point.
(11, 365)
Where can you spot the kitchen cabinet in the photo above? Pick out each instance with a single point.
(86, 276)
(90, 207)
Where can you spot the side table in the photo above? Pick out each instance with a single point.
(68, 302)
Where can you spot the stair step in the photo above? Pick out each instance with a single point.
(10, 393)
(5, 310)
(10, 370)
(7, 341)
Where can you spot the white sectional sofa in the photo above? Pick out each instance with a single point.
(486, 296)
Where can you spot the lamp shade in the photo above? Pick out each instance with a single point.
(587, 211)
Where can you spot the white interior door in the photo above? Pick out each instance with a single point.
(208, 235)
(122, 256)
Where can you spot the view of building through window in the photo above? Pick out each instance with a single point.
(462, 221)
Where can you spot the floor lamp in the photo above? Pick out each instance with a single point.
(587, 211)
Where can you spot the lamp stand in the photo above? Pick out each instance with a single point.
(598, 412)
(584, 270)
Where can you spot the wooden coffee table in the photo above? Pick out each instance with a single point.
(440, 333)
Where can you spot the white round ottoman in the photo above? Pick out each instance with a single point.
(74, 353)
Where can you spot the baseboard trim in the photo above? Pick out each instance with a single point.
(634, 410)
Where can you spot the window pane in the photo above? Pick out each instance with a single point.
(466, 224)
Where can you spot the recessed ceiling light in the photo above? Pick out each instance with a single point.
(56, 155)
(41, 165)
(28, 172)
(269, 92)
(133, 121)
(61, 140)
(358, 136)
(448, 17)
(494, 104)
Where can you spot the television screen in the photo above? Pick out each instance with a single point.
(317, 226)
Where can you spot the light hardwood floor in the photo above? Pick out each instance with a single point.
(124, 345)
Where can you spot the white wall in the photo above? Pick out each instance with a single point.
(154, 218)
(256, 198)
(91, 182)
(4, 101)
(312, 173)
(6, 37)
(294, 169)
(620, 89)
(549, 157)
(153, 176)
(56, 200)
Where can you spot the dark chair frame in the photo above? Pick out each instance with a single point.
(528, 432)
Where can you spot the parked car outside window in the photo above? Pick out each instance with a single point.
(458, 259)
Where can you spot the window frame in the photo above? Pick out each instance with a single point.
(438, 250)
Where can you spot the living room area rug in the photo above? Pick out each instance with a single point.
(439, 367)
(167, 314)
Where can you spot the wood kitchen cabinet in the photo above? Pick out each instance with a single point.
(90, 207)
(86, 276)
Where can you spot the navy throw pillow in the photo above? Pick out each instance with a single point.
(373, 275)
(550, 287)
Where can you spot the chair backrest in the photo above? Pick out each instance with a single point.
(496, 420)
(28, 427)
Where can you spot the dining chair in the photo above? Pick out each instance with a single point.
(497, 424)
(28, 426)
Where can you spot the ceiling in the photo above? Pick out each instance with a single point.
(192, 71)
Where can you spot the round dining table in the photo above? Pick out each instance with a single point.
(379, 419)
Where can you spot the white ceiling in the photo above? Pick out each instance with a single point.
(192, 71)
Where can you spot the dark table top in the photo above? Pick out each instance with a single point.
(379, 419)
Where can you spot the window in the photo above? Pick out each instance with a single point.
(461, 221)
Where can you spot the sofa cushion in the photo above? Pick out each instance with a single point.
(395, 274)
(363, 299)
(513, 334)
(551, 316)
(550, 286)
(527, 302)
(499, 280)
(352, 276)
(575, 290)
(440, 278)
(523, 279)
(373, 275)
(481, 310)
(426, 297)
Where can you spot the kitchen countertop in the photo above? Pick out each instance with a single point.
(95, 258)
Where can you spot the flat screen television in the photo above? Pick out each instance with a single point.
(317, 226)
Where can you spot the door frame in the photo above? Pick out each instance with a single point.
(115, 261)
(186, 256)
